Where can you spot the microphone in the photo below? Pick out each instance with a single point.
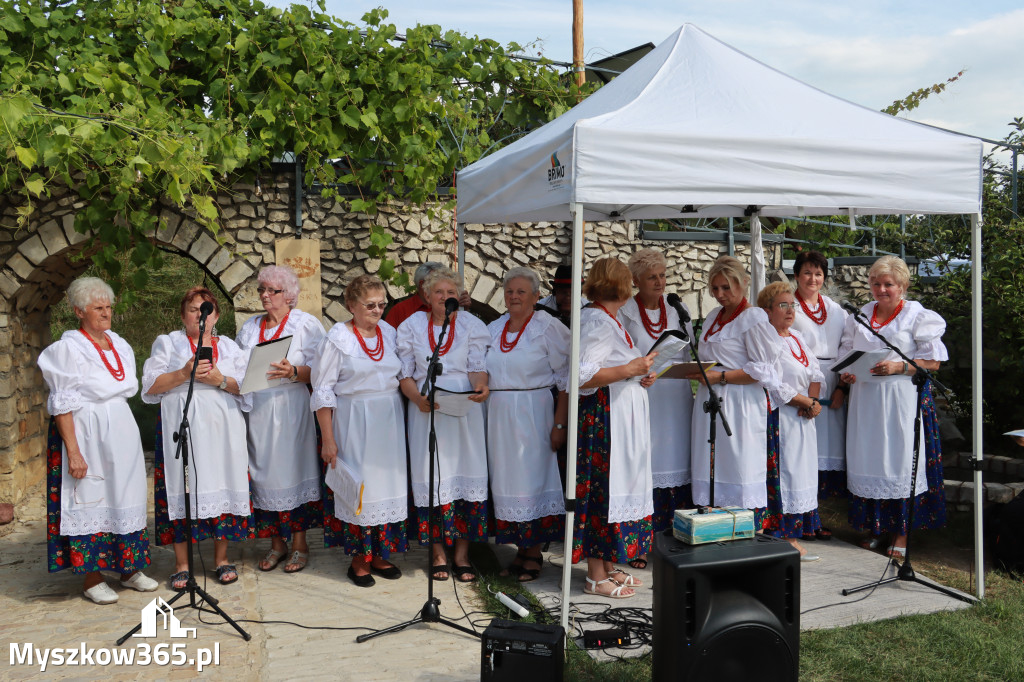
(205, 309)
(451, 305)
(684, 317)
(850, 308)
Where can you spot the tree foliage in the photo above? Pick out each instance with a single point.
(136, 102)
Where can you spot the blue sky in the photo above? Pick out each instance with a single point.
(870, 52)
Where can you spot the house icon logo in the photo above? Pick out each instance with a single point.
(150, 613)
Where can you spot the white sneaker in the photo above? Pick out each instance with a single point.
(140, 582)
(102, 594)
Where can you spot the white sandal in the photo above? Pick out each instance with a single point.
(628, 581)
(591, 588)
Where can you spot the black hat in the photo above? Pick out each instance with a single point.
(563, 277)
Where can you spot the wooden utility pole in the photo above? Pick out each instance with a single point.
(577, 42)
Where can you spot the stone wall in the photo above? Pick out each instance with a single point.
(38, 262)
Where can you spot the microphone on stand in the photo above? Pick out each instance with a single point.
(852, 309)
(451, 305)
(674, 301)
(204, 311)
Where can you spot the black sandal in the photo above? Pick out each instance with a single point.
(460, 571)
(224, 570)
(436, 572)
(823, 533)
(639, 563)
(514, 569)
(530, 574)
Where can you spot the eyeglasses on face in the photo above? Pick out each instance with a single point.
(370, 307)
(785, 305)
(263, 290)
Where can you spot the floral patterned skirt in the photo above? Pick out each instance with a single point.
(224, 527)
(525, 534)
(832, 484)
(666, 502)
(773, 520)
(893, 516)
(457, 520)
(124, 553)
(593, 536)
(366, 541)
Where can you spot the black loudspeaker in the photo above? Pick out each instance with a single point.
(521, 652)
(726, 612)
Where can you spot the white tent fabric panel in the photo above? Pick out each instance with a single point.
(696, 122)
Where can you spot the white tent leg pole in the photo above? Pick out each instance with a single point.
(574, 394)
(460, 253)
(757, 264)
(976, 406)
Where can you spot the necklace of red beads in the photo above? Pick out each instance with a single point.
(654, 329)
(277, 334)
(506, 346)
(874, 319)
(802, 356)
(817, 317)
(628, 339)
(377, 354)
(118, 373)
(213, 340)
(433, 342)
(718, 324)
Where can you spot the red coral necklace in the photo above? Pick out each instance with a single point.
(628, 339)
(818, 317)
(118, 373)
(213, 340)
(802, 357)
(718, 324)
(654, 329)
(433, 341)
(277, 334)
(377, 354)
(874, 312)
(507, 346)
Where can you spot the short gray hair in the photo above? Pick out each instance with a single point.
(86, 290)
(644, 260)
(525, 273)
(440, 274)
(281, 277)
(423, 270)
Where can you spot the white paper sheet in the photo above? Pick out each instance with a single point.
(259, 364)
(859, 362)
(347, 486)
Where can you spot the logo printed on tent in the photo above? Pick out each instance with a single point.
(557, 170)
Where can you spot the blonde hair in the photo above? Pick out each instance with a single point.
(766, 296)
(609, 279)
(644, 260)
(731, 269)
(359, 287)
(441, 274)
(894, 267)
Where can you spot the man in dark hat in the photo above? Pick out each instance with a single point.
(559, 303)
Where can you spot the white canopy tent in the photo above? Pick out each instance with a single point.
(697, 128)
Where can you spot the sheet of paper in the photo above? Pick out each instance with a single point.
(859, 362)
(668, 346)
(259, 364)
(1019, 433)
(453, 404)
(347, 486)
(680, 370)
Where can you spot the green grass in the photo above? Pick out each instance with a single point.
(154, 312)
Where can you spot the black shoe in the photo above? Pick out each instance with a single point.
(390, 573)
(361, 580)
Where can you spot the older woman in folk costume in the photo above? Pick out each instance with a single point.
(879, 437)
(529, 354)
(613, 469)
(283, 460)
(219, 471)
(359, 408)
(96, 476)
(746, 347)
(460, 473)
(646, 317)
(792, 437)
(820, 322)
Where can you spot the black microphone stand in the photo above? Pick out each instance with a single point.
(431, 610)
(713, 407)
(181, 438)
(905, 571)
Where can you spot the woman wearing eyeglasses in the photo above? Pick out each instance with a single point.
(460, 476)
(218, 473)
(792, 480)
(359, 408)
(96, 475)
(283, 459)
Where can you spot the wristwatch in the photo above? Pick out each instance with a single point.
(224, 384)
(295, 373)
